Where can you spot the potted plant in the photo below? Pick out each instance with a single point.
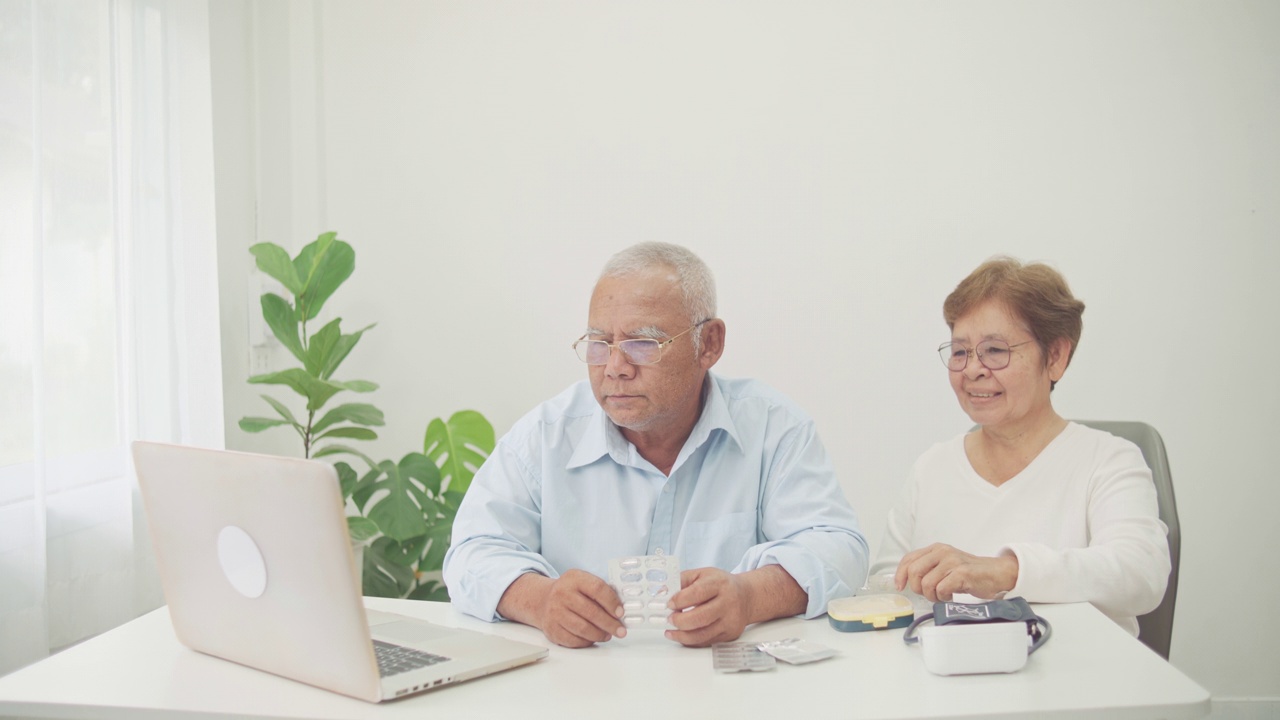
(402, 511)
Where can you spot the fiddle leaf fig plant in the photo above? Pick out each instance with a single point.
(312, 278)
(403, 511)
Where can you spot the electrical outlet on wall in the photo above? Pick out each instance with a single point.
(259, 360)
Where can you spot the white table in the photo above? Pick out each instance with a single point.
(1090, 668)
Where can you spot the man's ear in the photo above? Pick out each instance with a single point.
(712, 343)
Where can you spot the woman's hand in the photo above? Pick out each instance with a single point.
(940, 571)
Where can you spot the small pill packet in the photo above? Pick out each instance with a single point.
(732, 657)
(795, 651)
(645, 584)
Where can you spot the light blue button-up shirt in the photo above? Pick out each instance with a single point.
(752, 486)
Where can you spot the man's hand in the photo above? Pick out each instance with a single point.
(715, 606)
(575, 610)
(940, 571)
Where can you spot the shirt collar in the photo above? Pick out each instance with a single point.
(602, 437)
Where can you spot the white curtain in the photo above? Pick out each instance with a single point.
(108, 300)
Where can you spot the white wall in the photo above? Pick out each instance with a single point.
(841, 166)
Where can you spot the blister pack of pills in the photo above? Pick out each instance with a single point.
(645, 584)
(796, 651)
(729, 657)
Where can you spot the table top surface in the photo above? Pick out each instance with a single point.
(1089, 668)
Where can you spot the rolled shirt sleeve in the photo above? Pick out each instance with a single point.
(813, 531)
(496, 535)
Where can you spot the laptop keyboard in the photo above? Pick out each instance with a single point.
(396, 659)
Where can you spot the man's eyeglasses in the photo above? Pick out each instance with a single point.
(993, 354)
(637, 351)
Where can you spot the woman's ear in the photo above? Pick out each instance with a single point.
(1059, 358)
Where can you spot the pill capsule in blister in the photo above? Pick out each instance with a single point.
(645, 584)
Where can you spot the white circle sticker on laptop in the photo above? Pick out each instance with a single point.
(242, 562)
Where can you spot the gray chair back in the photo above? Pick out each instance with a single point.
(1156, 627)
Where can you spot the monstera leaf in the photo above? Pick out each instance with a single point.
(384, 576)
(409, 506)
(459, 447)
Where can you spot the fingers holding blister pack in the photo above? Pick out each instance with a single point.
(645, 584)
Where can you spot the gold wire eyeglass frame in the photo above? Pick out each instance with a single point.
(622, 345)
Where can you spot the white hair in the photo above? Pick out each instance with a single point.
(697, 286)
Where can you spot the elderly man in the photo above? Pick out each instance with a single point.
(652, 454)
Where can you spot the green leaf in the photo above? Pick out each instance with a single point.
(323, 266)
(283, 323)
(340, 351)
(274, 261)
(440, 535)
(459, 447)
(382, 576)
(258, 424)
(346, 478)
(365, 487)
(432, 591)
(420, 468)
(358, 413)
(342, 450)
(360, 386)
(284, 411)
(361, 529)
(316, 391)
(452, 500)
(355, 433)
(297, 379)
(407, 553)
(403, 512)
(321, 346)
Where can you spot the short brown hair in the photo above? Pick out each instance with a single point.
(1034, 292)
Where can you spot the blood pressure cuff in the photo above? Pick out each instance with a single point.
(1008, 610)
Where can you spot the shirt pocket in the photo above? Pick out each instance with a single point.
(720, 543)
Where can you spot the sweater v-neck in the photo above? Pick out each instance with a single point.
(975, 477)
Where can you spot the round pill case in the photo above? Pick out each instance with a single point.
(870, 612)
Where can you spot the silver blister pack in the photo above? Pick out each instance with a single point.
(796, 651)
(731, 657)
(645, 584)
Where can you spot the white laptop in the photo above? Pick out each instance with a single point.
(257, 568)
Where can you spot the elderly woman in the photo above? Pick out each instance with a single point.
(1028, 504)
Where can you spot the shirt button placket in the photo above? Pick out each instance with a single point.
(660, 532)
